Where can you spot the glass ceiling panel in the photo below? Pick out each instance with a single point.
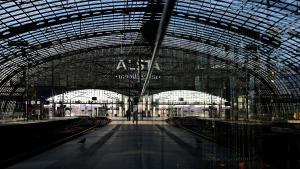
(85, 96)
(55, 27)
(189, 97)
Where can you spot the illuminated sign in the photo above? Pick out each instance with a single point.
(145, 65)
(134, 66)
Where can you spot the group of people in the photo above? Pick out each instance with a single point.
(134, 116)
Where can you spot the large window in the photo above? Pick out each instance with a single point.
(90, 102)
(87, 96)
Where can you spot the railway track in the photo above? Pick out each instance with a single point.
(76, 131)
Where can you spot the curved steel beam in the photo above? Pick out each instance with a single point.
(264, 38)
(13, 31)
(48, 44)
(48, 59)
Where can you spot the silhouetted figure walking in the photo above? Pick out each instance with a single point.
(135, 117)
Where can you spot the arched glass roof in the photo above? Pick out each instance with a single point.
(187, 97)
(86, 96)
(263, 34)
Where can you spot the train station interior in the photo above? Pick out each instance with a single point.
(150, 84)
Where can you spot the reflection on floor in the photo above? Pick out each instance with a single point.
(146, 145)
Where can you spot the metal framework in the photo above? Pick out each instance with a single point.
(259, 36)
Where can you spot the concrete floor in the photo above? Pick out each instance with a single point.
(123, 145)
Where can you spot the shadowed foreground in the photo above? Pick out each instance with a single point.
(148, 145)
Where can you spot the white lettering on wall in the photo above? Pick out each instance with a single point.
(122, 65)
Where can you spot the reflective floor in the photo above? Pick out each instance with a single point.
(147, 145)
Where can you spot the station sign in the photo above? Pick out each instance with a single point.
(133, 66)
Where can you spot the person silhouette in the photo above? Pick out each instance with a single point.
(135, 117)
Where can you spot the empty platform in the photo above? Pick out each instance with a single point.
(122, 144)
